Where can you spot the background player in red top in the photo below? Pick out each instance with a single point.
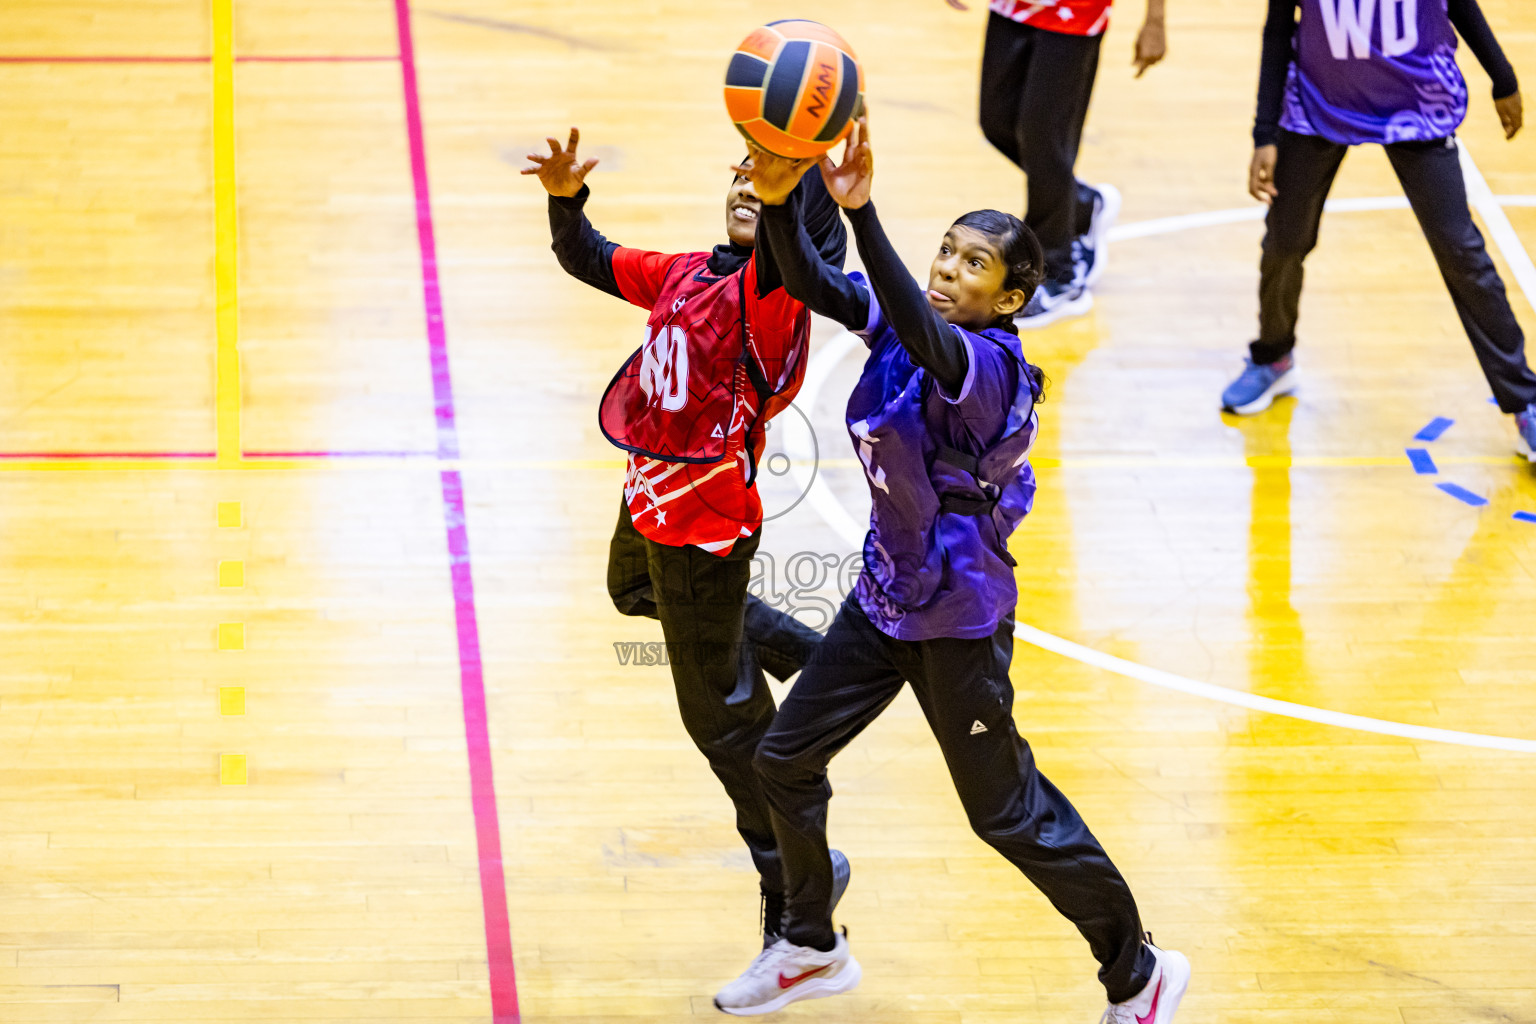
(724, 350)
(1037, 72)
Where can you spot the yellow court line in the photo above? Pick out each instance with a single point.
(227, 383)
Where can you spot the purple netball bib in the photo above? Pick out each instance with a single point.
(949, 479)
(1374, 71)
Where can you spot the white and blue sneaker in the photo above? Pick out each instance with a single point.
(1055, 300)
(1259, 385)
(1525, 430)
(1094, 243)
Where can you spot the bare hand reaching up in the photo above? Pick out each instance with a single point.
(559, 173)
(849, 182)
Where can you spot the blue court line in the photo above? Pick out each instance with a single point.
(1462, 494)
(1434, 429)
(1526, 517)
(1422, 463)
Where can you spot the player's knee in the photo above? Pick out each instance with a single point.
(997, 134)
(1000, 131)
(774, 763)
(1288, 246)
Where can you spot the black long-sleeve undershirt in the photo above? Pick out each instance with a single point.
(1467, 17)
(581, 249)
(1278, 52)
(928, 338)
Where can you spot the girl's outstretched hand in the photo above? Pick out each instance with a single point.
(559, 173)
(848, 182)
(773, 177)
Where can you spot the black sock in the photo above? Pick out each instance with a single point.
(773, 914)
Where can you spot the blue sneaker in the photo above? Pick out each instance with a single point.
(1259, 385)
(1525, 427)
(1093, 244)
(842, 871)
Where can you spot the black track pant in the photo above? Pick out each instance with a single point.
(1035, 87)
(1430, 173)
(706, 613)
(964, 691)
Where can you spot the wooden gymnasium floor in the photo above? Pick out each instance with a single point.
(281, 592)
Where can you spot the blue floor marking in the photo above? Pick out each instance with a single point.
(1462, 494)
(1526, 517)
(1422, 463)
(1434, 429)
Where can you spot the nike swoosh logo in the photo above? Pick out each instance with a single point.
(792, 982)
(1152, 1013)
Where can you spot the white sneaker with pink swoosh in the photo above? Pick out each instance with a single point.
(1156, 1003)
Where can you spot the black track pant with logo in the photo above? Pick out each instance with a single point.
(964, 691)
(1430, 173)
(706, 614)
(1035, 87)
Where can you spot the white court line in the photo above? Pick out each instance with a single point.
(1216, 218)
(799, 445)
(1499, 227)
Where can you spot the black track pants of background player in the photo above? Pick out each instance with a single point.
(1035, 87)
(706, 614)
(1430, 173)
(964, 691)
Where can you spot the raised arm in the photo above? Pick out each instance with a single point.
(583, 253)
(784, 249)
(928, 338)
(581, 249)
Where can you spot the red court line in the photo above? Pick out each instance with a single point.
(321, 58)
(45, 456)
(101, 59)
(493, 886)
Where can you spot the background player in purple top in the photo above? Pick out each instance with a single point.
(942, 418)
(1382, 71)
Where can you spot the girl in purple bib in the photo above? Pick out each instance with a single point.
(1380, 71)
(942, 418)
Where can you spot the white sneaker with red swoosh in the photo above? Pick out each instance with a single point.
(1156, 1003)
(786, 974)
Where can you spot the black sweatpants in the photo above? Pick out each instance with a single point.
(706, 615)
(1430, 173)
(964, 691)
(1035, 87)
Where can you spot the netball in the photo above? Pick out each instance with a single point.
(793, 88)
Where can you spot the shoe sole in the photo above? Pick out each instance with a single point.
(1098, 232)
(1285, 384)
(817, 988)
(1072, 307)
(1176, 970)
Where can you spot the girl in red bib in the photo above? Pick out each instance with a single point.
(723, 351)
